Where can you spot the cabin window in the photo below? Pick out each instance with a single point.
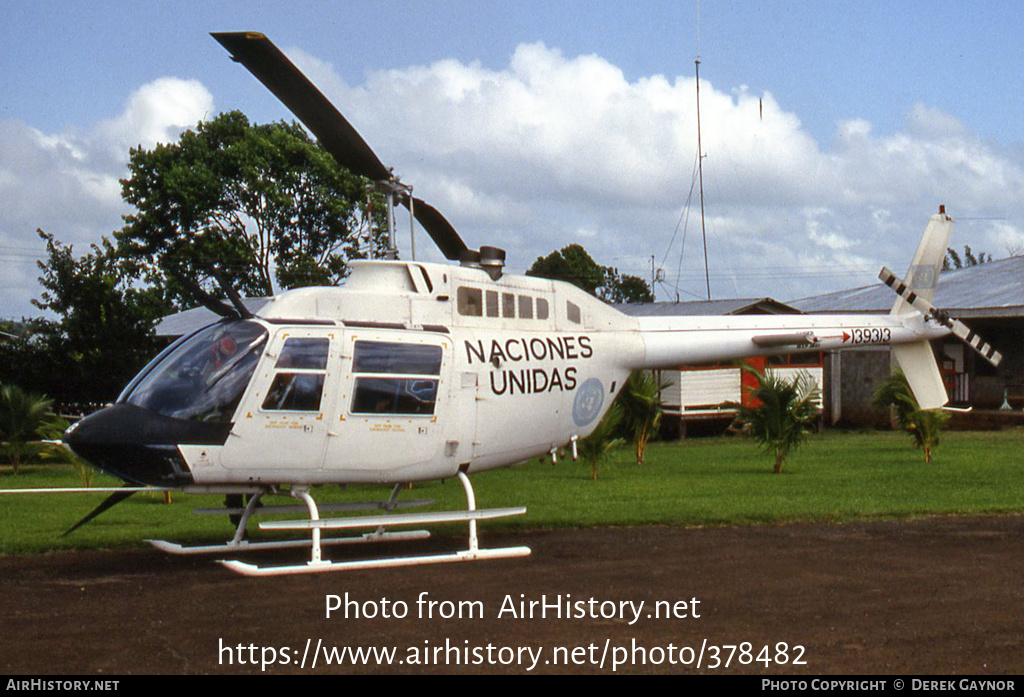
(470, 302)
(394, 396)
(299, 384)
(492, 303)
(295, 392)
(392, 358)
(508, 305)
(542, 308)
(526, 307)
(573, 310)
(395, 378)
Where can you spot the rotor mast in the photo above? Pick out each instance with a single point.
(391, 189)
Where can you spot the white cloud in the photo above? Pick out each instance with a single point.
(1005, 240)
(67, 183)
(552, 149)
(157, 112)
(566, 144)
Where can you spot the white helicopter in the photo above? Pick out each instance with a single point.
(417, 371)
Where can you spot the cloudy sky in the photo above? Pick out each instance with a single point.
(830, 130)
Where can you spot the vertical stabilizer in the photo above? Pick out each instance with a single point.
(924, 270)
(917, 362)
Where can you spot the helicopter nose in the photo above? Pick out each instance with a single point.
(141, 446)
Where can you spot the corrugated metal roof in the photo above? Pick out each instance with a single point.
(706, 308)
(992, 289)
(186, 322)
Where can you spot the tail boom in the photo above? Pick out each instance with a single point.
(670, 342)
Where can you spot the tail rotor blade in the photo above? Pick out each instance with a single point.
(967, 335)
(958, 328)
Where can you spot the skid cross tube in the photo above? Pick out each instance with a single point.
(240, 543)
(317, 564)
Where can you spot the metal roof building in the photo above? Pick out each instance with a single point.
(188, 321)
(992, 289)
(706, 308)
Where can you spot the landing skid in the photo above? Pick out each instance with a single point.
(315, 524)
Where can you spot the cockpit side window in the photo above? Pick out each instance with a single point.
(304, 353)
(395, 378)
(301, 369)
(204, 378)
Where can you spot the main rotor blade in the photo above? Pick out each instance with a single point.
(271, 67)
(438, 227)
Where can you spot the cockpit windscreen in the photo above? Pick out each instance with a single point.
(204, 378)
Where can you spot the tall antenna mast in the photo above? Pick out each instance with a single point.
(700, 163)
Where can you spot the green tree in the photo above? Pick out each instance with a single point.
(574, 265)
(571, 264)
(25, 418)
(103, 333)
(780, 414)
(924, 425)
(953, 260)
(263, 202)
(624, 288)
(641, 409)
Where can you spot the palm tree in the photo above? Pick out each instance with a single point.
(924, 425)
(595, 448)
(25, 417)
(781, 412)
(641, 409)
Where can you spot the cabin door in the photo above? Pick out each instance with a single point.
(282, 425)
(394, 410)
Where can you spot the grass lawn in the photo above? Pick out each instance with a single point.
(836, 476)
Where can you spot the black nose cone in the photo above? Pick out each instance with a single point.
(141, 446)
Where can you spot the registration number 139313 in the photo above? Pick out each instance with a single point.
(870, 335)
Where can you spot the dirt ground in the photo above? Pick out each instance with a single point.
(935, 596)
